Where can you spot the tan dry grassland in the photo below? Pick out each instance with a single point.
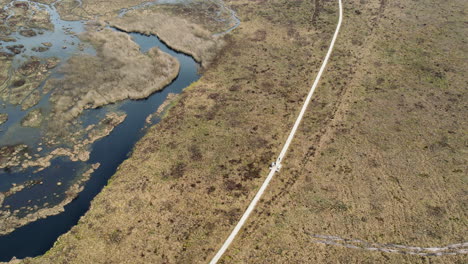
(390, 167)
(381, 155)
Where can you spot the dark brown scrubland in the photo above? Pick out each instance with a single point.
(380, 156)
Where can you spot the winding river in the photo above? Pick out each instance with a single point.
(36, 238)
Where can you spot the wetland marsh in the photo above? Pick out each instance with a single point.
(69, 115)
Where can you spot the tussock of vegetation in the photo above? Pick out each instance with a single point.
(3, 118)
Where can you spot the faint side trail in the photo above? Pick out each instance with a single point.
(276, 166)
(452, 249)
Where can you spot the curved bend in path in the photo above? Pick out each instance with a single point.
(277, 165)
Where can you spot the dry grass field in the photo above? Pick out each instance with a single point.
(381, 155)
(389, 166)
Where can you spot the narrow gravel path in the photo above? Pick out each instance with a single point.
(277, 165)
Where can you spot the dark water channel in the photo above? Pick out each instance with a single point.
(37, 237)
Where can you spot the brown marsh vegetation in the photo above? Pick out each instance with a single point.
(118, 71)
(179, 33)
